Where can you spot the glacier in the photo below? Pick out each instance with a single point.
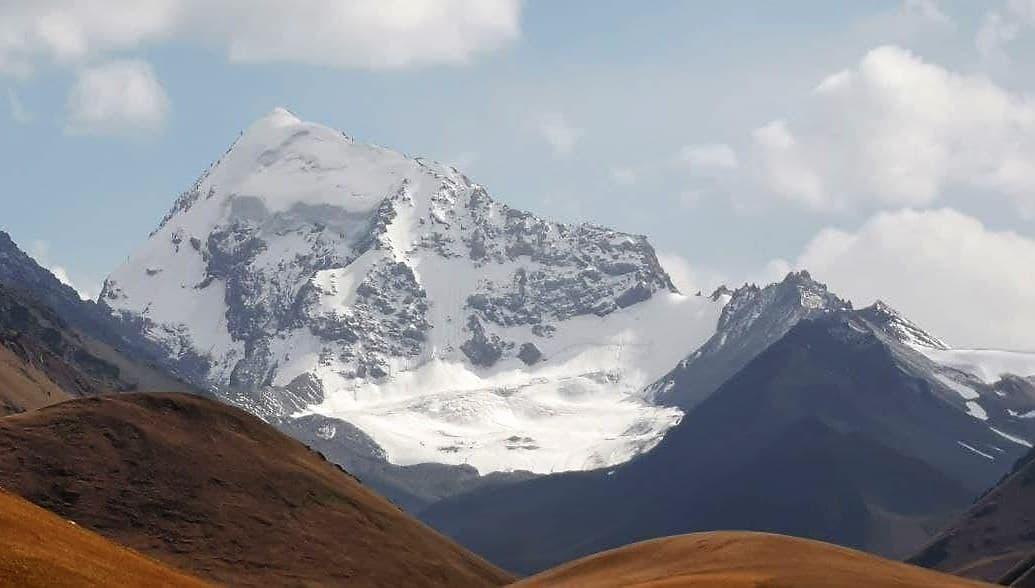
(307, 273)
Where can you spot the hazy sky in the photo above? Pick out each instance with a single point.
(888, 146)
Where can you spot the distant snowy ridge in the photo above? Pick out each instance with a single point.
(988, 386)
(307, 273)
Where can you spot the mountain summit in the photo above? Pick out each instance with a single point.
(305, 272)
(752, 319)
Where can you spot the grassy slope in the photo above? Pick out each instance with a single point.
(214, 490)
(37, 548)
(736, 560)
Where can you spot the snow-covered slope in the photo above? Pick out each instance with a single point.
(1003, 403)
(308, 273)
(993, 389)
(988, 365)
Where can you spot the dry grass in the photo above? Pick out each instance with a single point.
(37, 548)
(739, 560)
(215, 491)
(23, 386)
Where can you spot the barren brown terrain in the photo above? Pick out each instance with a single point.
(217, 492)
(739, 560)
(24, 386)
(994, 536)
(43, 360)
(39, 549)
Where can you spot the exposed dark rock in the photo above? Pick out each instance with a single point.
(529, 354)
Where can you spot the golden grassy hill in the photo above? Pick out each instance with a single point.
(213, 490)
(38, 548)
(739, 560)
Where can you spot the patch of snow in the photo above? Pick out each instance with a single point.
(989, 365)
(981, 453)
(977, 411)
(307, 240)
(1009, 437)
(576, 413)
(966, 392)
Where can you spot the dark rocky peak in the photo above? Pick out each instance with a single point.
(20, 272)
(753, 319)
(785, 302)
(898, 327)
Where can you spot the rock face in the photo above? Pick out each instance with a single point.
(843, 429)
(753, 319)
(306, 272)
(834, 432)
(994, 537)
(54, 346)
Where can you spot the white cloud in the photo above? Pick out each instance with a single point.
(40, 252)
(337, 33)
(117, 98)
(944, 270)
(19, 113)
(688, 279)
(558, 133)
(898, 131)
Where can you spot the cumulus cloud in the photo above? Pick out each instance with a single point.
(337, 33)
(687, 278)
(558, 133)
(117, 98)
(966, 283)
(899, 131)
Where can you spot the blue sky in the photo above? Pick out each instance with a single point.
(710, 127)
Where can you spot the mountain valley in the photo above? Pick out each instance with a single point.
(483, 369)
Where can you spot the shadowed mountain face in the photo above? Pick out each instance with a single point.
(215, 491)
(40, 549)
(71, 350)
(738, 560)
(55, 346)
(19, 271)
(752, 320)
(826, 434)
(43, 360)
(996, 535)
(22, 276)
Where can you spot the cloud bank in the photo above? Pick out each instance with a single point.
(117, 98)
(335, 33)
(966, 283)
(896, 131)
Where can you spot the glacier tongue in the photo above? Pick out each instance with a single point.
(305, 272)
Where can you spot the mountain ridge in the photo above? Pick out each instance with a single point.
(219, 493)
(307, 273)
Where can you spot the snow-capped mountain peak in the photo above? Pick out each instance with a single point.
(307, 272)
